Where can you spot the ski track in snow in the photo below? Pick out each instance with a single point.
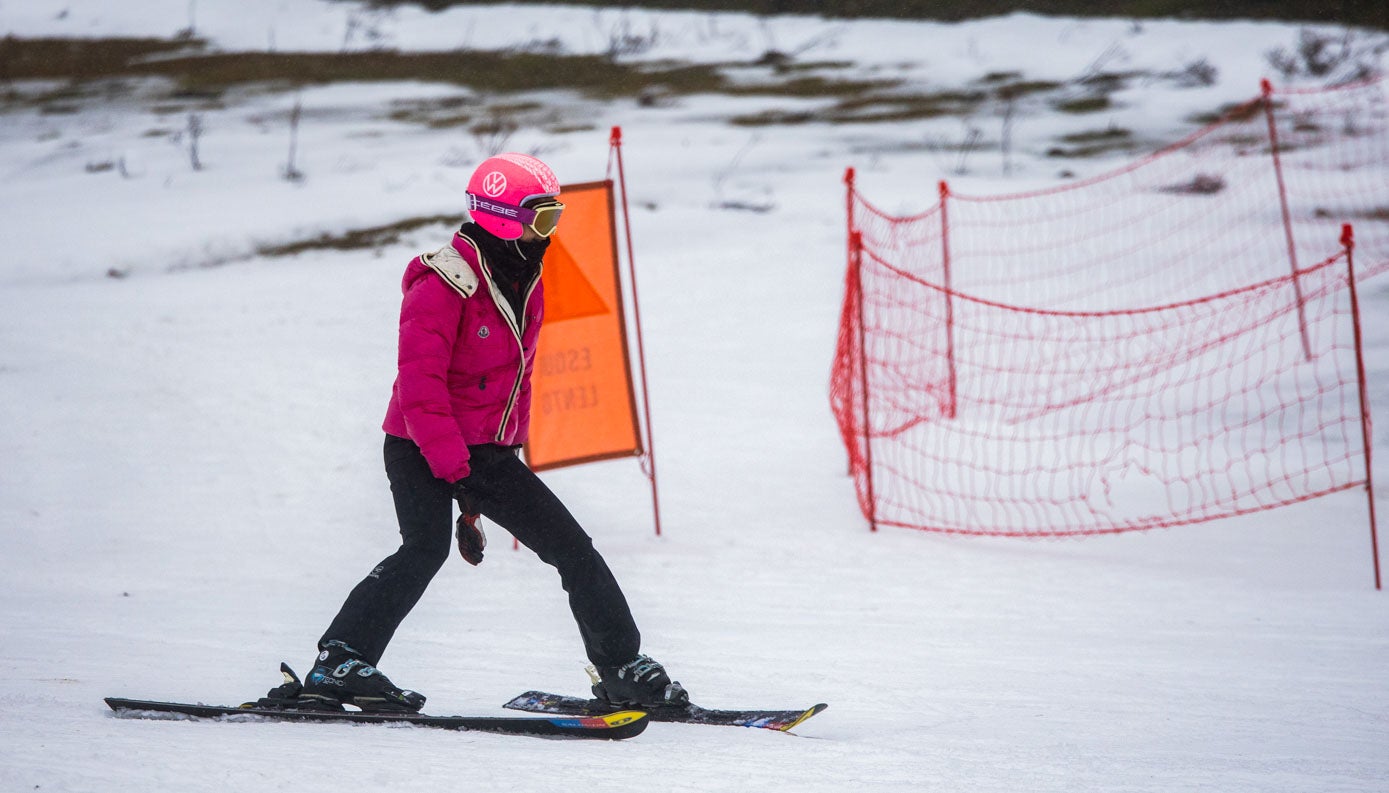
(192, 465)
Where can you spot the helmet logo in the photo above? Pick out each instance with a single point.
(494, 184)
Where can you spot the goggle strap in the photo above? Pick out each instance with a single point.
(523, 215)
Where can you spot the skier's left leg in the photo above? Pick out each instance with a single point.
(502, 488)
(505, 490)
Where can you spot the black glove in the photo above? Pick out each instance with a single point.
(471, 539)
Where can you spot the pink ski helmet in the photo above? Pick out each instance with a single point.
(501, 185)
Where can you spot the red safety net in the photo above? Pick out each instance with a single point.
(1169, 343)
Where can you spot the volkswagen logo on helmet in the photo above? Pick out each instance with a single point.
(494, 184)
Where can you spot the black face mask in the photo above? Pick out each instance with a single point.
(514, 264)
(530, 252)
(511, 256)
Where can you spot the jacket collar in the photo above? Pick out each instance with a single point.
(456, 264)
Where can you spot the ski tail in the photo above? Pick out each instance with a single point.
(810, 711)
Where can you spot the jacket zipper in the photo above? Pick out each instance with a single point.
(515, 325)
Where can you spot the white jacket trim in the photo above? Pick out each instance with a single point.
(450, 266)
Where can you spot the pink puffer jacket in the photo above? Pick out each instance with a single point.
(463, 370)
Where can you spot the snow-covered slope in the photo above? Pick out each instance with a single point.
(191, 479)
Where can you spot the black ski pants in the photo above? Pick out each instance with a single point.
(503, 489)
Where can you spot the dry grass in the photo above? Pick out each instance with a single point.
(867, 108)
(1357, 12)
(1093, 143)
(81, 59)
(357, 239)
(812, 86)
(193, 69)
(1021, 88)
(1235, 112)
(1087, 104)
(83, 69)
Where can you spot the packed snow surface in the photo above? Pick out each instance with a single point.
(192, 476)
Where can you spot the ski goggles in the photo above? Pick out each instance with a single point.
(541, 218)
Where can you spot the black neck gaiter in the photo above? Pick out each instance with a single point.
(514, 264)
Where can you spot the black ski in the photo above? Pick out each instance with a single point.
(544, 702)
(610, 726)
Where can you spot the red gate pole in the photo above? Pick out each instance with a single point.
(849, 203)
(649, 460)
(849, 237)
(856, 262)
(1348, 241)
(1267, 89)
(949, 295)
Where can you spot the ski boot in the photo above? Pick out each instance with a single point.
(340, 676)
(641, 682)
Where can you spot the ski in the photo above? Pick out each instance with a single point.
(610, 726)
(783, 720)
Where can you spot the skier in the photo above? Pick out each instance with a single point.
(458, 413)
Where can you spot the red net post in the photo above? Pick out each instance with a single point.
(951, 404)
(851, 243)
(867, 469)
(849, 383)
(1267, 92)
(1366, 427)
(849, 198)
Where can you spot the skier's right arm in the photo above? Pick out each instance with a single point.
(429, 319)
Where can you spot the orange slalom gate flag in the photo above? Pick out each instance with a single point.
(582, 404)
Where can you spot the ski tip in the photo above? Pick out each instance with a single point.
(811, 711)
(626, 723)
(622, 718)
(615, 726)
